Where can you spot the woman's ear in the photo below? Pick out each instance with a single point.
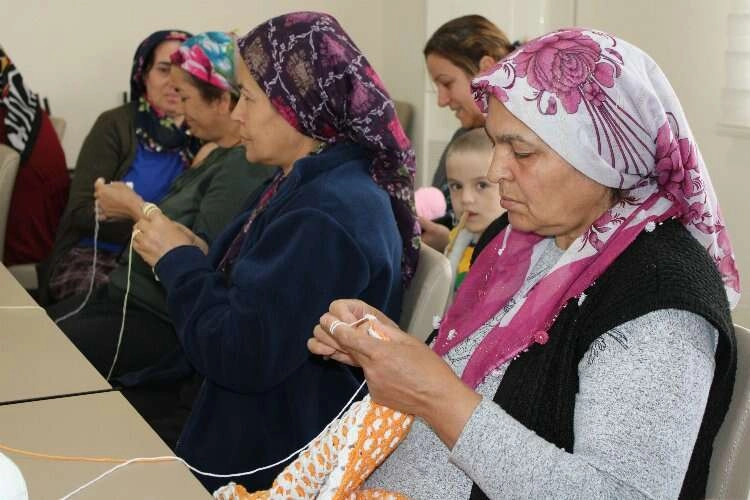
(485, 63)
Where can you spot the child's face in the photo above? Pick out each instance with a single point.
(470, 190)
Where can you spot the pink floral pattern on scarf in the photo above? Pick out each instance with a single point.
(622, 126)
(569, 65)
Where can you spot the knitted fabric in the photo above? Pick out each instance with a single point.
(338, 461)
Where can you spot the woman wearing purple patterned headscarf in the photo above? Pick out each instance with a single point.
(320, 82)
(335, 221)
(590, 351)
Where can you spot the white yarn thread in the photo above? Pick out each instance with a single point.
(176, 458)
(124, 309)
(146, 209)
(91, 289)
(211, 474)
(93, 269)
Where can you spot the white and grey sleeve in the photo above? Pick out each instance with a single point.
(643, 388)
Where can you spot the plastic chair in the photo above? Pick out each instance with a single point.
(427, 294)
(729, 472)
(59, 125)
(405, 113)
(9, 162)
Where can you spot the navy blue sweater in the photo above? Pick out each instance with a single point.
(328, 233)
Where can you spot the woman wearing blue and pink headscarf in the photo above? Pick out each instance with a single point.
(590, 352)
(336, 220)
(143, 142)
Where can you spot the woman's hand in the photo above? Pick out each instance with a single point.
(347, 311)
(434, 235)
(194, 239)
(155, 234)
(116, 201)
(402, 372)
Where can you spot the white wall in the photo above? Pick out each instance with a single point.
(403, 66)
(78, 52)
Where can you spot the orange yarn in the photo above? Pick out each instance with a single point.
(63, 458)
(383, 429)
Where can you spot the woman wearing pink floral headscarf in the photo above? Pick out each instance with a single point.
(590, 352)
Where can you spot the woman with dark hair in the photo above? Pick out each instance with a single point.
(457, 52)
(337, 219)
(144, 143)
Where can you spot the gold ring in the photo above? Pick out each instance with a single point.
(147, 208)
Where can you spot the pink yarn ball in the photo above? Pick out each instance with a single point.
(430, 202)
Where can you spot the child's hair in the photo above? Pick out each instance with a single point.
(475, 140)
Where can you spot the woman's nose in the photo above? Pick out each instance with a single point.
(236, 113)
(443, 99)
(500, 170)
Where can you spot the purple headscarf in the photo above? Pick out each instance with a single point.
(322, 84)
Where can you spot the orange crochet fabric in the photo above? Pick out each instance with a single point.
(339, 460)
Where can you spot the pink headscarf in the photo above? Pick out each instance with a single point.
(608, 110)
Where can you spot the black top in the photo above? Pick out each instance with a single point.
(663, 269)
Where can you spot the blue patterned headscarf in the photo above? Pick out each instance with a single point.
(155, 131)
(209, 57)
(322, 84)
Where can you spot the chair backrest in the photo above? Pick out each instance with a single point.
(9, 161)
(427, 294)
(59, 125)
(729, 472)
(405, 113)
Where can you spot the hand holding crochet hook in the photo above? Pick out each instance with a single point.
(402, 372)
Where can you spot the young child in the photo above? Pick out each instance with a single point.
(475, 200)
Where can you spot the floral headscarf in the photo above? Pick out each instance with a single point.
(155, 131)
(320, 82)
(23, 114)
(608, 110)
(209, 57)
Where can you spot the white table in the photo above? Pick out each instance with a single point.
(92, 425)
(12, 294)
(38, 361)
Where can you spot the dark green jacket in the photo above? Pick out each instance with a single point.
(205, 199)
(108, 151)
